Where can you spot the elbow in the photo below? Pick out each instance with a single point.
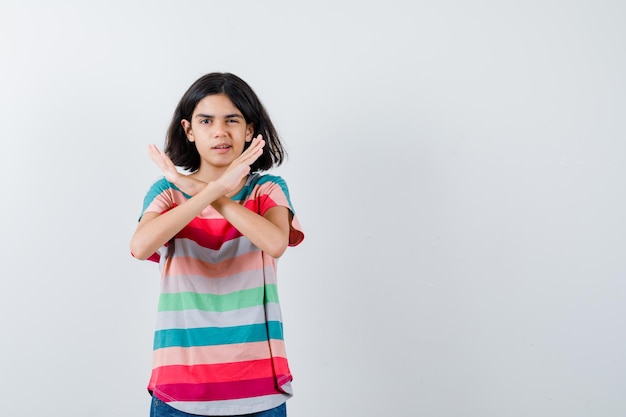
(275, 254)
(139, 251)
(140, 257)
(277, 248)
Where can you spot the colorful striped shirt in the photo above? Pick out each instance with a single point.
(218, 342)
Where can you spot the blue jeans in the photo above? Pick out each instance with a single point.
(161, 409)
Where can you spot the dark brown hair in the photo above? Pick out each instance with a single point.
(183, 153)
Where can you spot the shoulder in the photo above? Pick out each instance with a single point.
(160, 187)
(260, 179)
(161, 184)
(267, 189)
(266, 182)
(259, 185)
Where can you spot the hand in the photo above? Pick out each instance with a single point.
(240, 167)
(164, 163)
(185, 183)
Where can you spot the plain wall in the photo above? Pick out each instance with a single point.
(457, 166)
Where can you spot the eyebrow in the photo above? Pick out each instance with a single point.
(228, 116)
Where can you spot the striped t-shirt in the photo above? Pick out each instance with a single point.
(218, 342)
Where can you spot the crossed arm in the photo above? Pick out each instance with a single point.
(269, 232)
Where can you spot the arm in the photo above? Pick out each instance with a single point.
(185, 183)
(269, 232)
(155, 229)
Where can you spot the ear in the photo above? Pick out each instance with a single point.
(187, 128)
(249, 132)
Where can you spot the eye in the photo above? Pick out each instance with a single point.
(205, 121)
(231, 121)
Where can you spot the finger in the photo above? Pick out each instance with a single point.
(256, 146)
(156, 158)
(250, 156)
(166, 160)
(256, 141)
(153, 151)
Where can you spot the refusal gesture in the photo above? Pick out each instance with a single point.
(164, 163)
(240, 167)
(230, 180)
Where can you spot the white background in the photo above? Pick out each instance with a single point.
(458, 167)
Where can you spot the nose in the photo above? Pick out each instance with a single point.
(219, 128)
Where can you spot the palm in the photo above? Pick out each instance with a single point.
(240, 167)
(164, 163)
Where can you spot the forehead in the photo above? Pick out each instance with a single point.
(216, 105)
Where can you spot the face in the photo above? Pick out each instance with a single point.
(219, 131)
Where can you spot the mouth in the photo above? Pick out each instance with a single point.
(222, 149)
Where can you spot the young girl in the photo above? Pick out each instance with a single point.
(217, 234)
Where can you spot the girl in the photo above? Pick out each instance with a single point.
(217, 234)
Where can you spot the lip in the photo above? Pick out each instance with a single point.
(221, 148)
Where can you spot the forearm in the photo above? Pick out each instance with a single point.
(189, 185)
(184, 182)
(270, 237)
(157, 231)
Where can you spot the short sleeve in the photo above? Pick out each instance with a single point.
(271, 191)
(158, 198)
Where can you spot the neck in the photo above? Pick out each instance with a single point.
(209, 175)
